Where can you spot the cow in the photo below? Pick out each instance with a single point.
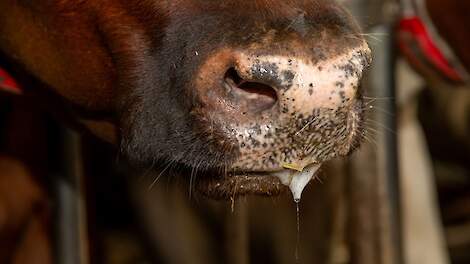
(221, 86)
(241, 91)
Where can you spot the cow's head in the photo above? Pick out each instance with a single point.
(235, 89)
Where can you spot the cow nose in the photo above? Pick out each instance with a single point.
(253, 95)
(244, 87)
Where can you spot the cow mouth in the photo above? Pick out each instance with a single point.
(240, 184)
(236, 184)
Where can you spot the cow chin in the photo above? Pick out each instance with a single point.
(250, 179)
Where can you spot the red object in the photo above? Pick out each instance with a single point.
(8, 84)
(415, 27)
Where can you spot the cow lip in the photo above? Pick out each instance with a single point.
(241, 183)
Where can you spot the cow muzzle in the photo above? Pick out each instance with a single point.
(282, 112)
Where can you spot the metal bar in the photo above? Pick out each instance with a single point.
(70, 225)
(383, 82)
(374, 206)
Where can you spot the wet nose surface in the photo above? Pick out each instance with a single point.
(302, 86)
(280, 109)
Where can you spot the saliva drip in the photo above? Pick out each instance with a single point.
(297, 180)
(297, 246)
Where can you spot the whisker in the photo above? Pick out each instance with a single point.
(381, 125)
(378, 98)
(160, 175)
(318, 179)
(191, 182)
(376, 131)
(148, 170)
(374, 34)
(307, 125)
(193, 177)
(372, 108)
(369, 36)
(373, 100)
(370, 138)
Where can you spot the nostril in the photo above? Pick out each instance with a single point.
(232, 75)
(255, 96)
